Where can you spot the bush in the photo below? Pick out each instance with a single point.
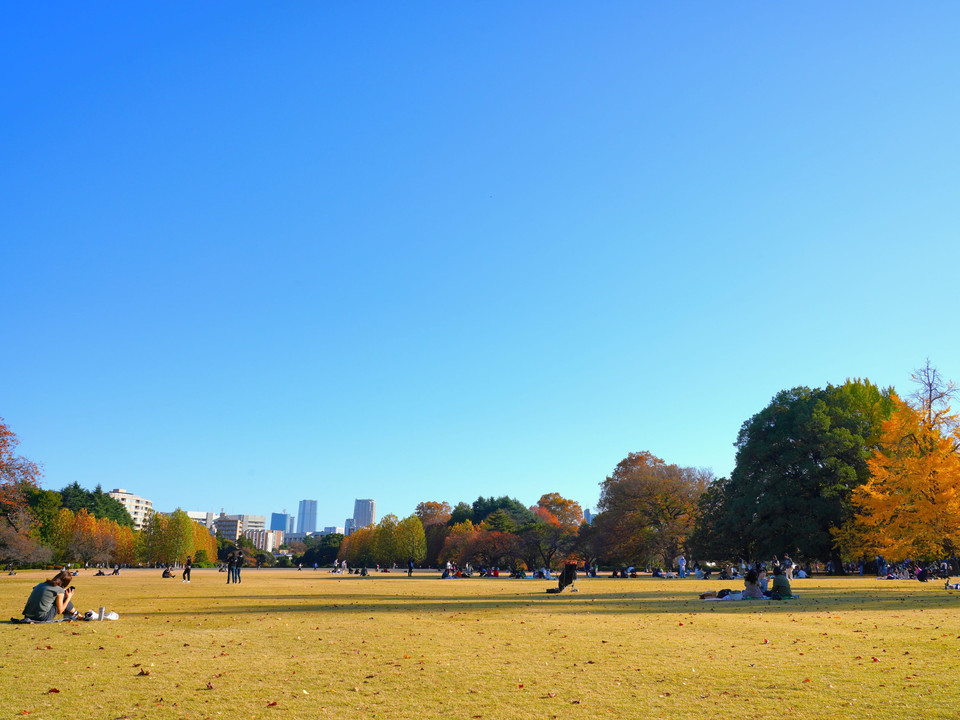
(200, 559)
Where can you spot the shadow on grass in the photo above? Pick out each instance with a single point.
(590, 600)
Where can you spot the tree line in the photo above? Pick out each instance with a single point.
(836, 473)
(79, 526)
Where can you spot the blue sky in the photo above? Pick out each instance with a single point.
(260, 252)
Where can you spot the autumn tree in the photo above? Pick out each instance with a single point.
(647, 509)
(358, 547)
(910, 505)
(456, 542)
(431, 512)
(491, 548)
(547, 539)
(18, 478)
(84, 542)
(127, 546)
(434, 517)
(204, 544)
(567, 512)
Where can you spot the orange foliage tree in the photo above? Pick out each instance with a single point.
(204, 544)
(432, 513)
(434, 517)
(491, 548)
(910, 506)
(647, 509)
(126, 546)
(357, 548)
(548, 539)
(567, 512)
(456, 541)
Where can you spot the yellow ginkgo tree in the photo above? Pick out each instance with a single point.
(910, 505)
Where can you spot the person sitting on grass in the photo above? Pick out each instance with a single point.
(51, 598)
(781, 585)
(167, 572)
(763, 581)
(751, 588)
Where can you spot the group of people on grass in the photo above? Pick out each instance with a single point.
(234, 565)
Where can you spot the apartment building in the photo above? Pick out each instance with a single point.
(139, 508)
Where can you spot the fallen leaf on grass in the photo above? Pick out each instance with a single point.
(272, 704)
(143, 671)
(53, 690)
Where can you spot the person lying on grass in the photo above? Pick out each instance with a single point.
(51, 598)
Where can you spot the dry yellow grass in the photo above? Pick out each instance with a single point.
(325, 646)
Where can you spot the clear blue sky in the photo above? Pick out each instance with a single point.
(260, 252)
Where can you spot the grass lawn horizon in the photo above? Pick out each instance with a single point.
(306, 644)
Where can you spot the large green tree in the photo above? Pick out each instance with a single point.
(484, 507)
(798, 461)
(322, 549)
(96, 502)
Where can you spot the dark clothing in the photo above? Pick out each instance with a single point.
(781, 586)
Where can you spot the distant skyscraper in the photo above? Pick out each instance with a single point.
(348, 526)
(307, 516)
(279, 521)
(290, 524)
(587, 516)
(364, 513)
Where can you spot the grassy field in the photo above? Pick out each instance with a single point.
(314, 645)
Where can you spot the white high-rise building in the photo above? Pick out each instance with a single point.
(139, 508)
